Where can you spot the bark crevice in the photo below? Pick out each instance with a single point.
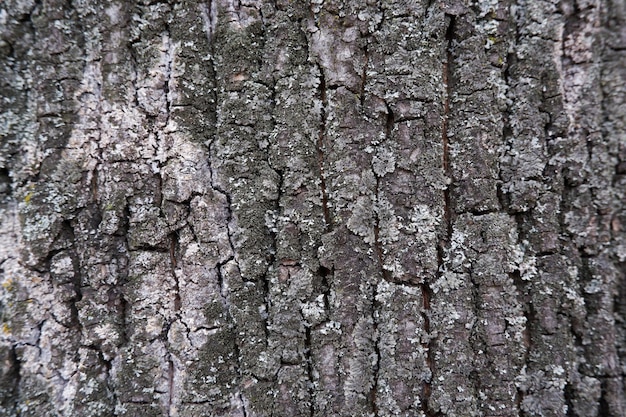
(321, 144)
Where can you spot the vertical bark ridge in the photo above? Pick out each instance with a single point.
(33, 184)
(486, 311)
(351, 324)
(526, 264)
(249, 278)
(406, 185)
(563, 184)
(518, 197)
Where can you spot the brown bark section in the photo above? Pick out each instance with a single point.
(324, 208)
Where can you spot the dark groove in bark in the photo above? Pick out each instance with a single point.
(604, 409)
(177, 306)
(376, 338)
(320, 148)
(507, 132)
(16, 369)
(569, 395)
(363, 77)
(225, 295)
(237, 353)
(229, 220)
(75, 317)
(309, 369)
(220, 277)
(168, 75)
(427, 345)
(209, 18)
(173, 247)
(520, 285)
(170, 398)
(123, 312)
(94, 184)
(378, 244)
(444, 126)
(445, 239)
(385, 274)
(124, 306)
(324, 273)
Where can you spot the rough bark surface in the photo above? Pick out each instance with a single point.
(313, 208)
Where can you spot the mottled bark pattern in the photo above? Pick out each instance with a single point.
(313, 208)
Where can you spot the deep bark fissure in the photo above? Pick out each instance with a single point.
(427, 345)
(169, 56)
(378, 245)
(208, 11)
(233, 257)
(477, 338)
(237, 353)
(604, 408)
(229, 204)
(78, 296)
(173, 250)
(321, 143)
(522, 287)
(173, 246)
(170, 382)
(265, 281)
(220, 278)
(384, 273)
(364, 74)
(569, 396)
(445, 238)
(376, 340)
(447, 81)
(577, 329)
(308, 346)
(16, 366)
(507, 134)
(124, 304)
(324, 273)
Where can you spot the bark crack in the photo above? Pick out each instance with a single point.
(521, 285)
(173, 249)
(309, 367)
(321, 141)
(446, 74)
(376, 339)
(377, 241)
(446, 236)
(16, 369)
(173, 245)
(427, 346)
(208, 11)
(170, 395)
(385, 274)
(233, 257)
(364, 76)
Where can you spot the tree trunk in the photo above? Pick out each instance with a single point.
(324, 208)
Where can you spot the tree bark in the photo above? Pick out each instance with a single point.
(313, 208)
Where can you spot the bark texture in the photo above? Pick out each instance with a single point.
(313, 208)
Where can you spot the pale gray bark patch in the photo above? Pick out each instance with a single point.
(324, 208)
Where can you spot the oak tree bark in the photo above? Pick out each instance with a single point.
(313, 208)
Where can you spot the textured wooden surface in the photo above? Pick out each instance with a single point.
(324, 208)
